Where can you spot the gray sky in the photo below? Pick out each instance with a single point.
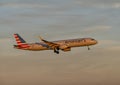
(54, 20)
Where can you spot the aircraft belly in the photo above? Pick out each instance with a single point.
(37, 47)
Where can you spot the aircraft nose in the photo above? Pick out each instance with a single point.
(96, 42)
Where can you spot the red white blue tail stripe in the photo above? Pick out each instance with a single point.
(20, 42)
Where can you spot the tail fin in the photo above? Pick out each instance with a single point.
(19, 39)
(21, 43)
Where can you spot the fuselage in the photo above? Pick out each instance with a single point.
(79, 42)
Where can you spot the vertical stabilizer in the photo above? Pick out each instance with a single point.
(21, 43)
(19, 39)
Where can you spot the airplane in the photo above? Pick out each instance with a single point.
(64, 45)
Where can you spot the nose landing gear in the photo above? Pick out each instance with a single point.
(88, 47)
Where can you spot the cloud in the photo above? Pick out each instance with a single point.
(52, 6)
(113, 5)
(97, 29)
(114, 48)
(43, 8)
(109, 46)
(84, 3)
(6, 48)
(99, 4)
(116, 5)
(75, 67)
(25, 5)
(109, 42)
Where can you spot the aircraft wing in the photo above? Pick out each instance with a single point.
(56, 47)
(50, 44)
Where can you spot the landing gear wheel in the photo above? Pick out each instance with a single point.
(56, 51)
(88, 48)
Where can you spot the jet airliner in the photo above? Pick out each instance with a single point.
(64, 45)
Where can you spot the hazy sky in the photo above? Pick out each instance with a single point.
(54, 20)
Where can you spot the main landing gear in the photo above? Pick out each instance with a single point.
(56, 50)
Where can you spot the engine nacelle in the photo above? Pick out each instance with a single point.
(66, 49)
